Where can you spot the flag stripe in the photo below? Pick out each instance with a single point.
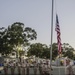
(58, 35)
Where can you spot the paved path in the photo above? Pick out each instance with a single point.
(56, 71)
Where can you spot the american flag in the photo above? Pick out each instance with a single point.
(58, 35)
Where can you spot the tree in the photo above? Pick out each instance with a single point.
(39, 50)
(43, 51)
(17, 35)
(5, 47)
(46, 53)
(35, 49)
(68, 51)
(54, 50)
(20, 35)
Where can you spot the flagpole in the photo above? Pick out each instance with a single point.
(51, 35)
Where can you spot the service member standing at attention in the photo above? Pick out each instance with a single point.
(69, 68)
(35, 68)
(12, 66)
(27, 67)
(40, 67)
(23, 68)
(19, 68)
(5, 68)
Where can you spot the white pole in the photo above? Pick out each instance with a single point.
(51, 35)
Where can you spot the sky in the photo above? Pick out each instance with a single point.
(37, 15)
